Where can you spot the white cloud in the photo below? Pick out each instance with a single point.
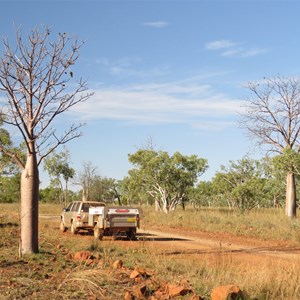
(195, 105)
(156, 24)
(254, 52)
(232, 52)
(233, 49)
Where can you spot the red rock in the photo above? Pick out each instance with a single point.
(140, 291)
(140, 272)
(134, 274)
(128, 296)
(138, 279)
(226, 292)
(176, 290)
(82, 255)
(117, 264)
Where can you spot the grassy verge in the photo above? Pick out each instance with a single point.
(266, 224)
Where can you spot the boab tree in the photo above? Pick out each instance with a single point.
(35, 75)
(86, 178)
(272, 117)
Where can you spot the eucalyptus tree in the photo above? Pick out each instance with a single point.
(275, 186)
(10, 188)
(104, 189)
(58, 167)
(272, 118)
(166, 178)
(131, 191)
(40, 86)
(202, 194)
(241, 184)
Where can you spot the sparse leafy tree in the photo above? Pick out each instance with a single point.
(272, 118)
(35, 77)
(51, 194)
(10, 188)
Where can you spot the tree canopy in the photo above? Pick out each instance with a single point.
(241, 184)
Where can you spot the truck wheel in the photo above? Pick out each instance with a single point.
(131, 234)
(73, 229)
(98, 233)
(62, 227)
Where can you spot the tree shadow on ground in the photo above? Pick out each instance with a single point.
(154, 238)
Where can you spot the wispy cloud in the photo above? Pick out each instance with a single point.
(232, 52)
(229, 48)
(156, 24)
(254, 52)
(220, 44)
(128, 66)
(189, 103)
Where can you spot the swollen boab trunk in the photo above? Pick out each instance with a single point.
(29, 207)
(290, 195)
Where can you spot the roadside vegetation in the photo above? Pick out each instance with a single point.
(265, 224)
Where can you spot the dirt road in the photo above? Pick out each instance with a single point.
(174, 242)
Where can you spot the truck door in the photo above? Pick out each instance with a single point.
(68, 213)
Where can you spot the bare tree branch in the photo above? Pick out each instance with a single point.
(272, 115)
(36, 78)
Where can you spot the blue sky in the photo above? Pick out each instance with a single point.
(171, 71)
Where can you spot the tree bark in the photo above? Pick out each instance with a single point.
(29, 206)
(157, 205)
(291, 198)
(85, 196)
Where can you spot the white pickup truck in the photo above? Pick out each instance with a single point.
(102, 220)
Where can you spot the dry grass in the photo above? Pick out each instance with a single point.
(269, 281)
(51, 274)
